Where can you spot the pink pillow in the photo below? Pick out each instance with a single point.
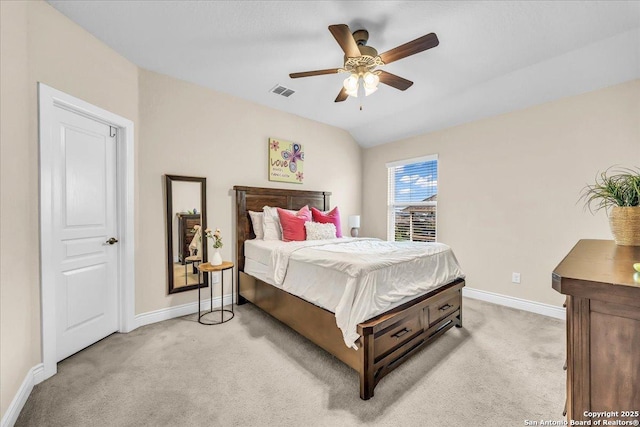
(293, 224)
(331, 217)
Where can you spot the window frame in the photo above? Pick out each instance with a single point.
(392, 205)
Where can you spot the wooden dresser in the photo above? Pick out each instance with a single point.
(603, 328)
(186, 224)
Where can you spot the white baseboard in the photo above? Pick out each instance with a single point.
(513, 302)
(178, 311)
(34, 376)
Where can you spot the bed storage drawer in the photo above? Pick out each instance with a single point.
(444, 306)
(399, 333)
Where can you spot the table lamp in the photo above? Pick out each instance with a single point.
(354, 224)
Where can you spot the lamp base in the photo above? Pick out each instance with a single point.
(354, 232)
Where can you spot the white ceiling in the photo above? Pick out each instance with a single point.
(493, 57)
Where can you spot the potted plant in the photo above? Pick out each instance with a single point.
(618, 192)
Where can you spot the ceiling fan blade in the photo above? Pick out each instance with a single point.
(314, 73)
(343, 36)
(394, 81)
(342, 95)
(416, 46)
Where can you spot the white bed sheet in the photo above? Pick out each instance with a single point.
(260, 250)
(257, 269)
(315, 284)
(377, 277)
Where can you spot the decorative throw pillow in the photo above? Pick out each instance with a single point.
(271, 221)
(331, 217)
(320, 231)
(271, 224)
(293, 224)
(257, 220)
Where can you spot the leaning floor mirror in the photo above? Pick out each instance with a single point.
(186, 222)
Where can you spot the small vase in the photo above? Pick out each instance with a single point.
(216, 259)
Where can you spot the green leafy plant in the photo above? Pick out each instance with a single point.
(613, 187)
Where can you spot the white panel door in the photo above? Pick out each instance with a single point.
(84, 219)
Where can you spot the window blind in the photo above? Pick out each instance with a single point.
(412, 199)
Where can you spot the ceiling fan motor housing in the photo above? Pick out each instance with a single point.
(368, 58)
(361, 37)
(367, 61)
(368, 51)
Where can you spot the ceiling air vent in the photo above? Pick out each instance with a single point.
(281, 90)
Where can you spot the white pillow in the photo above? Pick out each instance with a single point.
(320, 231)
(257, 220)
(271, 224)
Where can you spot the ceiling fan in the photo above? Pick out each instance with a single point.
(361, 61)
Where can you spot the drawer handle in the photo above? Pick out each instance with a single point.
(445, 307)
(565, 365)
(400, 333)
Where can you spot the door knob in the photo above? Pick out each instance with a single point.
(112, 240)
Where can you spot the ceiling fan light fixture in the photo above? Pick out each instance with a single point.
(369, 91)
(370, 82)
(351, 85)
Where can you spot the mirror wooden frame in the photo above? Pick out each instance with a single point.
(169, 179)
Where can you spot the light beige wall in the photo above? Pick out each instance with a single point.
(40, 45)
(18, 271)
(509, 185)
(189, 130)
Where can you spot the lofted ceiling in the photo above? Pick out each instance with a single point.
(493, 57)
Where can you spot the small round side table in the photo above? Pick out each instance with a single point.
(208, 268)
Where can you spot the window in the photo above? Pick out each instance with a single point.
(412, 199)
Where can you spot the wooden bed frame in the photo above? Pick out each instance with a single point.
(385, 342)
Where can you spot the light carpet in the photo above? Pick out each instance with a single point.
(502, 368)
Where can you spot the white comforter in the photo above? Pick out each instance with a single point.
(380, 273)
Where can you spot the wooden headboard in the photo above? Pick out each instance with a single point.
(255, 198)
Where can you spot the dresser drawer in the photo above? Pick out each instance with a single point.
(444, 306)
(398, 334)
(190, 223)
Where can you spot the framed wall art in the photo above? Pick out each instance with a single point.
(286, 161)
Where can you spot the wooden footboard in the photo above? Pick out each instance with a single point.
(386, 341)
(393, 337)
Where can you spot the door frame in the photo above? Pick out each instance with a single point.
(48, 100)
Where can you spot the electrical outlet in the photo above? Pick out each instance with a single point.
(515, 277)
(215, 277)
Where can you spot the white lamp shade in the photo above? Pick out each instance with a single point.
(351, 84)
(370, 80)
(368, 91)
(370, 83)
(354, 221)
